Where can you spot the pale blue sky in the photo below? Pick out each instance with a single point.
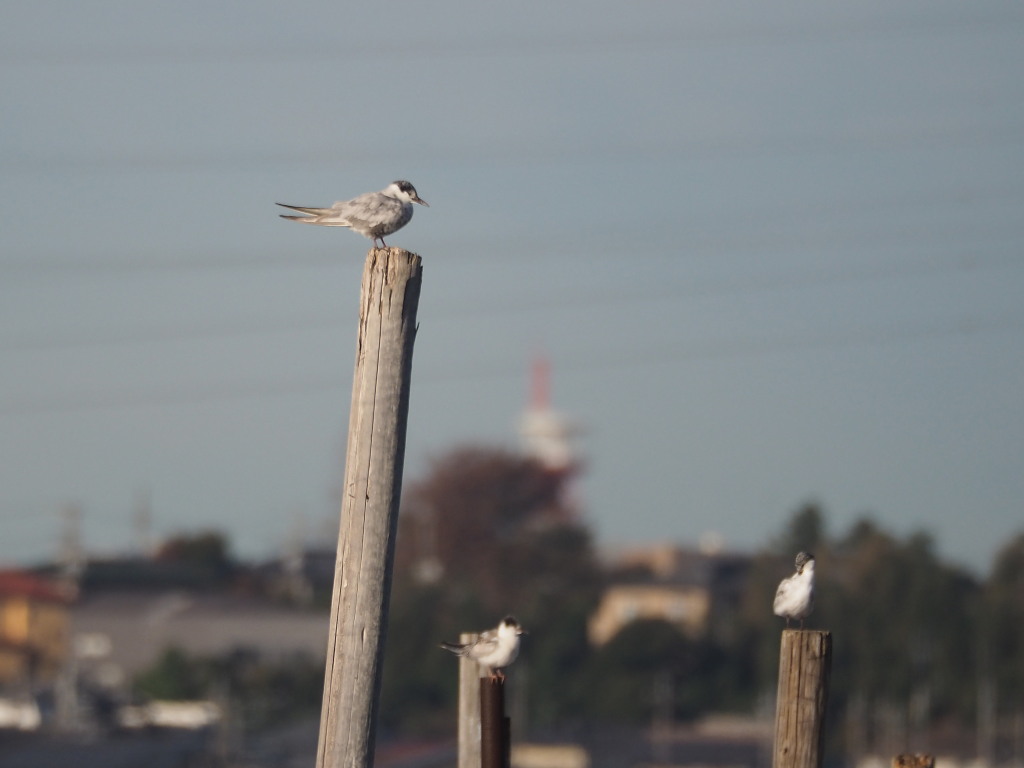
(773, 252)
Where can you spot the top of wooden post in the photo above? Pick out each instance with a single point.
(805, 661)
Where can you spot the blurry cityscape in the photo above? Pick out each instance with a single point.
(180, 654)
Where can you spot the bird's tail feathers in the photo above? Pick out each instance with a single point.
(457, 648)
(310, 211)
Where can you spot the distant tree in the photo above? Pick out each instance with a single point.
(757, 639)
(805, 531)
(651, 665)
(262, 692)
(483, 534)
(482, 506)
(905, 612)
(898, 614)
(1004, 624)
(207, 551)
(418, 688)
(486, 533)
(757, 643)
(173, 676)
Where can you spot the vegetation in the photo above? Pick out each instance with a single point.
(207, 552)
(486, 533)
(261, 692)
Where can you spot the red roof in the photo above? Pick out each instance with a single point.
(25, 584)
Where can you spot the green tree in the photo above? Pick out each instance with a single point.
(206, 551)
(262, 692)
(174, 676)
(903, 621)
(484, 534)
(1004, 623)
(905, 614)
(805, 532)
(651, 665)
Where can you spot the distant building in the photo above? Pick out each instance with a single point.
(136, 628)
(302, 576)
(685, 606)
(33, 628)
(690, 589)
(529, 755)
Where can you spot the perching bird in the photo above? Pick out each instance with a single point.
(372, 215)
(494, 650)
(794, 598)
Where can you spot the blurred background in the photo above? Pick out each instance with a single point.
(703, 281)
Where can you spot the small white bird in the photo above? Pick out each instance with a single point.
(372, 215)
(794, 599)
(494, 650)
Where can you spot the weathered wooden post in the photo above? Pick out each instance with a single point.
(369, 508)
(805, 661)
(469, 707)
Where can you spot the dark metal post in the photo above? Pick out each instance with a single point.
(494, 726)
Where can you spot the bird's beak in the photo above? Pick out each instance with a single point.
(420, 200)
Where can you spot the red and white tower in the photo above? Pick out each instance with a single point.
(547, 435)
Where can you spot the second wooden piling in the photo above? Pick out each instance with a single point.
(469, 707)
(805, 662)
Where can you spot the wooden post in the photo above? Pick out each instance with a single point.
(469, 707)
(494, 727)
(805, 661)
(918, 760)
(369, 508)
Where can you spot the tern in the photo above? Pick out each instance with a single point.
(373, 215)
(794, 599)
(494, 650)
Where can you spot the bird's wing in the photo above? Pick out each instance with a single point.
(486, 644)
(373, 204)
(368, 211)
(782, 593)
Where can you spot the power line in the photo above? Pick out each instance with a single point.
(663, 291)
(613, 42)
(717, 349)
(528, 151)
(321, 257)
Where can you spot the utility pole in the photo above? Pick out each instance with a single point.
(142, 523)
(71, 556)
(369, 511)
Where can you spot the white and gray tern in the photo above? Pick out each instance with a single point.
(495, 649)
(794, 599)
(372, 215)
